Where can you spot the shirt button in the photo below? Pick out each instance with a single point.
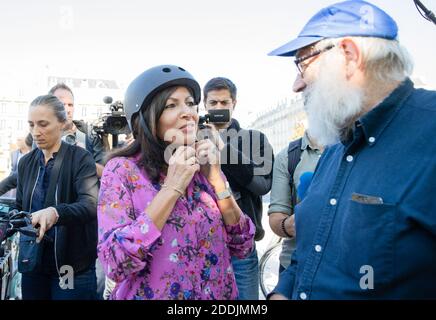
(371, 139)
(303, 296)
(318, 248)
(333, 202)
(350, 158)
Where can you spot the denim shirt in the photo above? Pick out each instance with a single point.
(367, 227)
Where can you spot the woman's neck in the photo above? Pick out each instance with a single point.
(48, 153)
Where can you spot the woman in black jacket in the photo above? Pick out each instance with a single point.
(58, 185)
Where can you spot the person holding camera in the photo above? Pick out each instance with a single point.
(58, 185)
(168, 223)
(247, 163)
(87, 140)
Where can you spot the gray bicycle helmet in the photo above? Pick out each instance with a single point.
(143, 88)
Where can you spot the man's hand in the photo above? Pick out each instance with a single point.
(182, 166)
(290, 225)
(277, 296)
(275, 222)
(45, 218)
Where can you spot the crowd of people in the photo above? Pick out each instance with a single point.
(175, 213)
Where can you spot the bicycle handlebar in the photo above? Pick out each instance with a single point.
(18, 221)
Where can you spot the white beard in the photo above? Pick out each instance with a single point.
(331, 102)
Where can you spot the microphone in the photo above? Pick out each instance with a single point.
(107, 100)
(428, 15)
(305, 180)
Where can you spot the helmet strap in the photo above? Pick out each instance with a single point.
(146, 129)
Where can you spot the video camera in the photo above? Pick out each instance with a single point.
(113, 123)
(214, 116)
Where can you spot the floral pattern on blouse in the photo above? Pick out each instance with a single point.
(190, 258)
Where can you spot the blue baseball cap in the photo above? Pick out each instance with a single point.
(348, 18)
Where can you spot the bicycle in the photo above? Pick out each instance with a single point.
(12, 223)
(269, 265)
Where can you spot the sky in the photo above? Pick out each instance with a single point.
(119, 39)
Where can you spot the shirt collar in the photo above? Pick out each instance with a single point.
(307, 143)
(234, 124)
(375, 121)
(42, 158)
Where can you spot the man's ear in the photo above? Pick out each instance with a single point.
(234, 103)
(353, 56)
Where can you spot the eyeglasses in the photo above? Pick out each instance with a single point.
(302, 67)
(224, 103)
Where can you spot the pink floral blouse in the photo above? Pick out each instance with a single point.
(190, 258)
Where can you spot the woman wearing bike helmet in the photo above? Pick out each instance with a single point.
(57, 184)
(168, 229)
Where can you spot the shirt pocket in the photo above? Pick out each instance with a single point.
(367, 241)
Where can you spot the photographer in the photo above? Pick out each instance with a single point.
(247, 163)
(114, 124)
(89, 141)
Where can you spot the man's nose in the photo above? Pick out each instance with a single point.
(299, 84)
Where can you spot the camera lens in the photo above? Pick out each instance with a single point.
(69, 138)
(117, 125)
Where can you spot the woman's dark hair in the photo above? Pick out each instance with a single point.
(150, 147)
(53, 103)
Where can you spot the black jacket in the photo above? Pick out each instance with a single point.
(251, 176)
(75, 202)
(8, 183)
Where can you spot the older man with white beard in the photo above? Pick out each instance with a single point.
(367, 226)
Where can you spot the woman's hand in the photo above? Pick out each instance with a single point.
(45, 218)
(208, 157)
(183, 164)
(208, 152)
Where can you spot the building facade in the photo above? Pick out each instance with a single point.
(283, 123)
